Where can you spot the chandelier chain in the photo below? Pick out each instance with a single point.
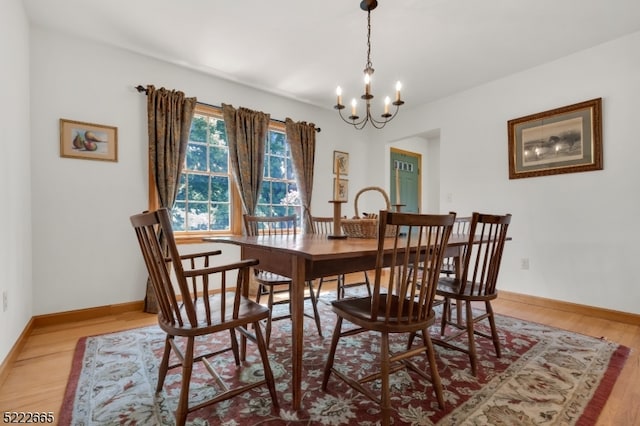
(369, 64)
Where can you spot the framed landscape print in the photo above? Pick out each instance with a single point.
(88, 141)
(561, 140)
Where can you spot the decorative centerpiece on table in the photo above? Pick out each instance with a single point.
(366, 226)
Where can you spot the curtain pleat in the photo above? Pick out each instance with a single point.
(246, 135)
(169, 116)
(302, 142)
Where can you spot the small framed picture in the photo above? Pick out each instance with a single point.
(561, 140)
(340, 163)
(340, 189)
(88, 141)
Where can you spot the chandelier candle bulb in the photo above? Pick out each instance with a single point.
(387, 101)
(353, 106)
(398, 87)
(339, 93)
(367, 84)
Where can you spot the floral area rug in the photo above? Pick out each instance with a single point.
(545, 376)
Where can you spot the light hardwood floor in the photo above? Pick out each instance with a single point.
(37, 379)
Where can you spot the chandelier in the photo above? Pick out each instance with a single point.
(354, 119)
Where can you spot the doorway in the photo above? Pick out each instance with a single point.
(405, 175)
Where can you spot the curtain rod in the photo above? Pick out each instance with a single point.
(142, 89)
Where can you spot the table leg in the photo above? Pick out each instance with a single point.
(297, 329)
(245, 293)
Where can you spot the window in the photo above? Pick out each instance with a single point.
(207, 200)
(279, 194)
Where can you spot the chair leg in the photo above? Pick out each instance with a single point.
(234, 346)
(385, 367)
(435, 374)
(412, 337)
(367, 282)
(494, 332)
(187, 368)
(268, 373)
(320, 281)
(268, 327)
(314, 305)
(473, 357)
(164, 364)
(446, 313)
(259, 294)
(332, 352)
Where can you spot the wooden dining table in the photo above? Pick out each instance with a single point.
(307, 257)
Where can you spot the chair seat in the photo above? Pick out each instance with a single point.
(269, 278)
(248, 312)
(450, 287)
(358, 311)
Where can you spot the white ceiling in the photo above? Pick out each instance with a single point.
(303, 49)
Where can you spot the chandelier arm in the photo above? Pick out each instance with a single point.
(386, 119)
(352, 122)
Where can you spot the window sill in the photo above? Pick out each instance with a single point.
(193, 238)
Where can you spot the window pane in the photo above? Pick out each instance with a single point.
(218, 159)
(265, 193)
(220, 188)
(263, 210)
(278, 192)
(198, 187)
(178, 216)
(277, 143)
(198, 129)
(217, 132)
(220, 217)
(197, 157)
(198, 216)
(277, 167)
(279, 211)
(290, 174)
(182, 188)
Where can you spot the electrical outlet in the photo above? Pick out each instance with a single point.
(5, 301)
(524, 263)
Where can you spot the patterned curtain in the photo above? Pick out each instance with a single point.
(246, 135)
(302, 142)
(169, 116)
(169, 122)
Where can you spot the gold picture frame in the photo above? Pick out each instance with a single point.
(341, 189)
(341, 163)
(88, 141)
(561, 140)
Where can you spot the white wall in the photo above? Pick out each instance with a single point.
(15, 180)
(576, 229)
(85, 253)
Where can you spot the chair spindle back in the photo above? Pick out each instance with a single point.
(270, 225)
(483, 255)
(157, 243)
(423, 242)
